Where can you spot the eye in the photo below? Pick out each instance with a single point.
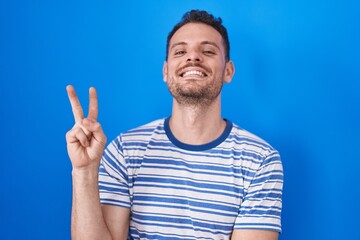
(209, 52)
(179, 52)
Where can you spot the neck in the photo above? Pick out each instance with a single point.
(197, 124)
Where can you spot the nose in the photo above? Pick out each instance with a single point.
(194, 56)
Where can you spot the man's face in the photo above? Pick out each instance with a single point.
(196, 68)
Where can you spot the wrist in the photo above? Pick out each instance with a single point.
(88, 172)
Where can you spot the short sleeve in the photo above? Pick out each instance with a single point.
(261, 207)
(113, 176)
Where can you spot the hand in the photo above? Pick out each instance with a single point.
(86, 140)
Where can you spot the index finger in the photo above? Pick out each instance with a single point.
(93, 104)
(75, 104)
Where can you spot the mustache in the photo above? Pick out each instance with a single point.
(193, 65)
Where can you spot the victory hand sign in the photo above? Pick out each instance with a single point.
(85, 144)
(86, 140)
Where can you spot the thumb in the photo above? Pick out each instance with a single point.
(95, 128)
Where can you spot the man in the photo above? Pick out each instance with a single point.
(193, 175)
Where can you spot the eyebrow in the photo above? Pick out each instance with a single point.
(202, 43)
(210, 43)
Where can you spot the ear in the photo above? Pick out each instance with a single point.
(229, 71)
(165, 71)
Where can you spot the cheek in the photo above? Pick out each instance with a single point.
(171, 68)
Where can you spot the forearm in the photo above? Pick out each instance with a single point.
(254, 235)
(87, 220)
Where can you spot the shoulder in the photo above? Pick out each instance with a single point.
(145, 130)
(245, 139)
(143, 133)
(136, 138)
(258, 157)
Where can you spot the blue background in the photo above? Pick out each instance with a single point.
(297, 85)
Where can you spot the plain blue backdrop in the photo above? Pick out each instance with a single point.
(297, 85)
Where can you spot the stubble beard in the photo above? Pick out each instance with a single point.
(193, 93)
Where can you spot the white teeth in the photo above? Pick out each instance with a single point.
(193, 72)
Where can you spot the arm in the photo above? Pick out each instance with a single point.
(90, 220)
(87, 220)
(85, 144)
(117, 220)
(254, 235)
(260, 212)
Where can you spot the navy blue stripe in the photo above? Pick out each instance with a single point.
(184, 221)
(185, 202)
(166, 224)
(201, 147)
(198, 173)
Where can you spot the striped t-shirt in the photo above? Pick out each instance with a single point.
(181, 191)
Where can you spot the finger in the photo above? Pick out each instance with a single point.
(80, 125)
(75, 104)
(77, 135)
(93, 104)
(96, 130)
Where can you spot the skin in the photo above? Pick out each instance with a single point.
(197, 46)
(85, 145)
(196, 111)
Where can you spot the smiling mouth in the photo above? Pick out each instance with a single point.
(193, 73)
